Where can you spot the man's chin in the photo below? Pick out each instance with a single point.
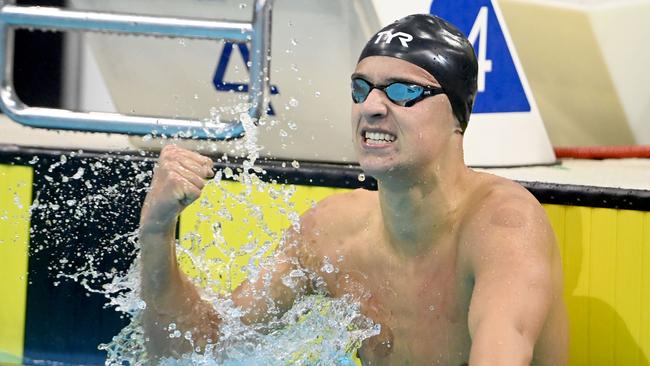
(379, 171)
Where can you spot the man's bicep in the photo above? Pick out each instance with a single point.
(519, 299)
(513, 274)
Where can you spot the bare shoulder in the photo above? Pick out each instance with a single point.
(501, 203)
(502, 216)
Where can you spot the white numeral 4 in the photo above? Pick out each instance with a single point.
(480, 31)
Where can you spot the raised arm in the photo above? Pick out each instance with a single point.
(170, 296)
(518, 282)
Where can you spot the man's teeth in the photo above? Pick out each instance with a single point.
(379, 137)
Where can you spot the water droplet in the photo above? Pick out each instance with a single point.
(432, 308)
(295, 164)
(182, 42)
(78, 174)
(294, 42)
(242, 6)
(196, 96)
(327, 268)
(293, 102)
(317, 94)
(361, 177)
(296, 273)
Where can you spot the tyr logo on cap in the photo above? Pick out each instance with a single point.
(404, 38)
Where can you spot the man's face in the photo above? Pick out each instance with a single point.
(393, 139)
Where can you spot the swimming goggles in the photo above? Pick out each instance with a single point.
(400, 93)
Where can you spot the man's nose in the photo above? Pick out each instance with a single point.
(374, 106)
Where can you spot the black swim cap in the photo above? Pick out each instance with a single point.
(438, 47)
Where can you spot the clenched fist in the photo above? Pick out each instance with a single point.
(179, 177)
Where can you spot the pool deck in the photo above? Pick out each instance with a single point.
(611, 173)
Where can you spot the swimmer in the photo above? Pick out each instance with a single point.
(460, 267)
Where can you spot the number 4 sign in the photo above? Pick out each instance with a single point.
(504, 111)
(479, 31)
(499, 84)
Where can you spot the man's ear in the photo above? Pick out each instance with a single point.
(461, 127)
(458, 128)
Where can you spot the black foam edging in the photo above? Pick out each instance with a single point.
(347, 176)
(274, 170)
(590, 196)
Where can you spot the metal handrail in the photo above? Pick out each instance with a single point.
(258, 33)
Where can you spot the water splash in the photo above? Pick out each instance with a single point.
(316, 330)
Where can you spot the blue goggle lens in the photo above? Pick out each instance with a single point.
(360, 90)
(401, 93)
(398, 93)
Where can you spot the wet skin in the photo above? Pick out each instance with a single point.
(458, 267)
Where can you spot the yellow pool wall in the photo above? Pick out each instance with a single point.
(15, 199)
